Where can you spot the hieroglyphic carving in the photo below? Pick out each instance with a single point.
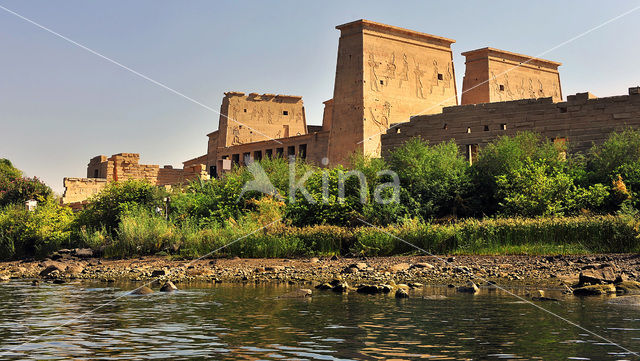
(532, 92)
(448, 77)
(495, 85)
(373, 75)
(540, 89)
(236, 136)
(298, 118)
(507, 87)
(434, 78)
(391, 67)
(381, 121)
(419, 86)
(269, 116)
(404, 73)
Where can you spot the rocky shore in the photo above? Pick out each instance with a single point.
(598, 273)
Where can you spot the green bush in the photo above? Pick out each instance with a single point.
(36, 233)
(107, 207)
(503, 157)
(434, 178)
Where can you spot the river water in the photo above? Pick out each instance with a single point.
(251, 322)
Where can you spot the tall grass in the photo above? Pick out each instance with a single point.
(143, 233)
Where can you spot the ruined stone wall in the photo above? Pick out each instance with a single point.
(582, 120)
(384, 75)
(314, 146)
(257, 117)
(125, 166)
(81, 189)
(493, 75)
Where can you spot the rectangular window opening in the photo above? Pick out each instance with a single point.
(279, 152)
(440, 77)
(257, 155)
(501, 87)
(503, 126)
(235, 159)
(268, 153)
(285, 112)
(302, 151)
(486, 128)
(291, 150)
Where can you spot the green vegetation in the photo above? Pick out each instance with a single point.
(521, 195)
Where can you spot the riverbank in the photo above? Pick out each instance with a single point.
(534, 271)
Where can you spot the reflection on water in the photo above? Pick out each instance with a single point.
(247, 322)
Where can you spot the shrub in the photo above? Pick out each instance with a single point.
(434, 178)
(505, 156)
(37, 233)
(107, 207)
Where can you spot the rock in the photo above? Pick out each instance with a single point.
(597, 276)
(314, 260)
(334, 282)
(324, 286)
(451, 259)
(386, 288)
(626, 300)
(538, 295)
(350, 270)
(623, 277)
(144, 290)
(595, 290)
(74, 270)
(470, 287)
(59, 281)
(369, 289)
(51, 266)
(159, 273)
(301, 293)
(628, 287)
(360, 265)
(399, 267)
(403, 286)
(341, 287)
(415, 285)
(5, 277)
(334, 258)
(83, 252)
(401, 293)
(35, 283)
(168, 287)
(422, 265)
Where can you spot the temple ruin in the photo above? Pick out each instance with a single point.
(391, 84)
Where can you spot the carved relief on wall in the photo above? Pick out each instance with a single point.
(236, 136)
(298, 116)
(391, 68)
(419, 86)
(434, 78)
(404, 72)
(540, 89)
(373, 75)
(269, 116)
(447, 78)
(380, 116)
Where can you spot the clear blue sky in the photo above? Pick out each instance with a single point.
(61, 105)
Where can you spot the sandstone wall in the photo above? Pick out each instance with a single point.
(582, 120)
(257, 117)
(385, 75)
(80, 189)
(493, 75)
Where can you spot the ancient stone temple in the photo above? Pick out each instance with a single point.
(391, 84)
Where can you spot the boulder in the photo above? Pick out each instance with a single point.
(626, 300)
(144, 290)
(422, 265)
(360, 265)
(4, 277)
(74, 270)
(35, 283)
(51, 266)
(470, 287)
(324, 286)
(597, 276)
(538, 295)
(369, 289)
(83, 252)
(628, 287)
(401, 293)
(595, 290)
(415, 285)
(350, 270)
(341, 287)
(314, 260)
(168, 287)
(159, 273)
(399, 267)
